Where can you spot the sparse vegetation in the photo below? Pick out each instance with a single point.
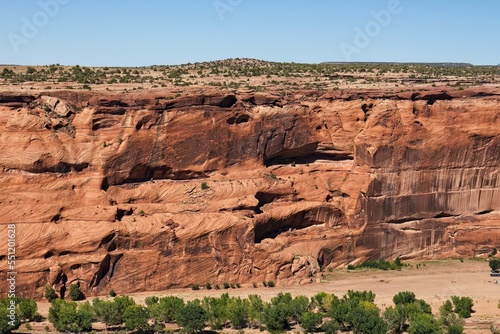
(494, 264)
(75, 293)
(380, 264)
(257, 75)
(50, 293)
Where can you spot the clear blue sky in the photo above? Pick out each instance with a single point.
(147, 32)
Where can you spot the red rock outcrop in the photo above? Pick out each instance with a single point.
(144, 192)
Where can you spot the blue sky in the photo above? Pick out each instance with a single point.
(147, 32)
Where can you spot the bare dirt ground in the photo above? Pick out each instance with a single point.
(433, 281)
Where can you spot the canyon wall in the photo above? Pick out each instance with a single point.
(145, 192)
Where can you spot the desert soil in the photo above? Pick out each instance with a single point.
(433, 281)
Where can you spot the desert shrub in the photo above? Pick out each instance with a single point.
(405, 297)
(494, 264)
(151, 300)
(270, 284)
(367, 296)
(452, 323)
(298, 306)
(112, 293)
(463, 306)
(310, 321)
(424, 323)
(455, 329)
(75, 293)
(195, 286)
(50, 293)
(204, 186)
(446, 308)
(208, 286)
(396, 318)
(493, 252)
(330, 327)
(378, 264)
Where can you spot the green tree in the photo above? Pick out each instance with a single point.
(446, 308)
(27, 309)
(417, 307)
(50, 293)
(168, 308)
(111, 312)
(217, 310)
(405, 297)
(276, 316)
(424, 323)
(365, 318)
(75, 293)
(396, 318)
(151, 300)
(255, 311)
(494, 264)
(8, 321)
(368, 296)
(68, 317)
(463, 306)
(192, 317)
(310, 321)
(330, 327)
(237, 311)
(453, 323)
(298, 307)
(136, 318)
(86, 315)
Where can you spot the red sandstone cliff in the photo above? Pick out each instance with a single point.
(142, 192)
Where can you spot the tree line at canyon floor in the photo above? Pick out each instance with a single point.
(355, 312)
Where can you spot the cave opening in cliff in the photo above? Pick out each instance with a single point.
(238, 119)
(143, 173)
(308, 159)
(272, 227)
(265, 198)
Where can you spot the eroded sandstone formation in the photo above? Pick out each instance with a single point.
(147, 192)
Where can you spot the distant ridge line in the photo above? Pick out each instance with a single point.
(395, 63)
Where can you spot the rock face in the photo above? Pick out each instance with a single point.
(144, 192)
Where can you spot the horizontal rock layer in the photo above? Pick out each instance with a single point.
(145, 192)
